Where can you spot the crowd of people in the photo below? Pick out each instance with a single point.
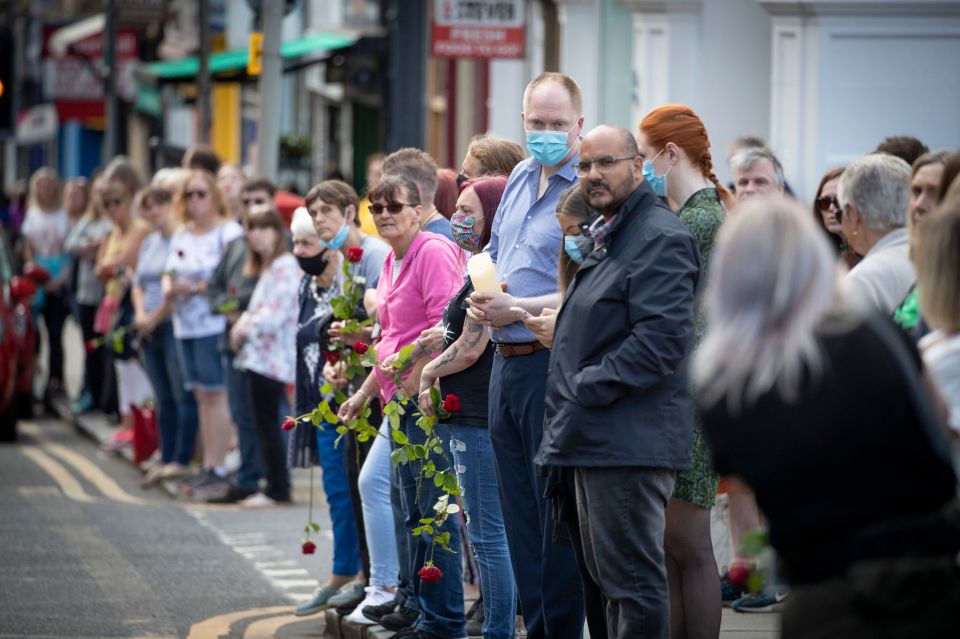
(659, 338)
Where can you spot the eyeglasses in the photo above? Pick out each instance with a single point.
(196, 194)
(824, 202)
(257, 201)
(393, 208)
(603, 164)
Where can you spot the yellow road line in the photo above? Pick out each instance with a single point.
(71, 487)
(267, 628)
(104, 483)
(219, 626)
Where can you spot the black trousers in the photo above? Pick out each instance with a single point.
(93, 373)
(265, 396)
(354, 455)
(548, 584)
(54, 313)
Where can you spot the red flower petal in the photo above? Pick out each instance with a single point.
(451, 403)
(355, 254)
(332, 357)
(308, 547)
(360, 348)
(430, 574)
(288, 424)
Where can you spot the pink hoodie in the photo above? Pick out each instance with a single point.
(430, 275)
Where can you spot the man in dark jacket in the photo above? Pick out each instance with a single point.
(617, 405)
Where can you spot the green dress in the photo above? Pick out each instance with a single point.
(702, 214)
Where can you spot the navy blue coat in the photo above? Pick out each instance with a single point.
(617, 388)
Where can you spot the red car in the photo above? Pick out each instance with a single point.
(18, 337)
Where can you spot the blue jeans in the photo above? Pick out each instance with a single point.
(346, 546)
(251, 463)
(176, 407)
(473, 456)
(374, 486)
(441, 604)
(551, 597)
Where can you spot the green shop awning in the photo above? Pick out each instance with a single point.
(235, 60)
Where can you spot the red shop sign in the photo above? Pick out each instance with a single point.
(479, 29)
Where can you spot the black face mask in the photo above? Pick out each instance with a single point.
(461, 178)
(314, 265)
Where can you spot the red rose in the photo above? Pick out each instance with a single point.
(332, 357)
(360, 348)
(355, 254)
(89, 346)
(309, 547)
(451, 403)
(739, 574)
(430, 574)
(288, 424)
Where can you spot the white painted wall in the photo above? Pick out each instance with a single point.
(847, 75)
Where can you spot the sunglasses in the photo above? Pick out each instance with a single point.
(196, 194)
(392, 209)
(824, 202)
(253, 201)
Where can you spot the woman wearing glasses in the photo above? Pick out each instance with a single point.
(826, 211)
(420, 275)
(195, 250)
(677, 164)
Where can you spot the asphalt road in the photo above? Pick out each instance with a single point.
(84, 552)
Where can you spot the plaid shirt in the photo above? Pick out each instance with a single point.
(600, 229)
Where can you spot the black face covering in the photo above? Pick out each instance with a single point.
(314, 265)
(461, 178)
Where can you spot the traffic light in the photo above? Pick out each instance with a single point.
(255, 54)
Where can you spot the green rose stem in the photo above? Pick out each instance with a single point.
(404, 452)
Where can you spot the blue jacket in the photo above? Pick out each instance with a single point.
(617, 390)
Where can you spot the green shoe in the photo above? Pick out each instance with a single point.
(349, 592)
(320, 601)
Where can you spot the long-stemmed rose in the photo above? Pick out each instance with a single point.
(344, 307)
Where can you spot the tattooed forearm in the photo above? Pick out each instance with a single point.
(472, 334)
(448, 356)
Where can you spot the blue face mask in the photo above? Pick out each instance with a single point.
(548, 147)
(337, 240)
(577, 247)
(657, 182)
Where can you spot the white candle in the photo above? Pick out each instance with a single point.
(483, 274)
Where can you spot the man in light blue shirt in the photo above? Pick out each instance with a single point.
(525, 245)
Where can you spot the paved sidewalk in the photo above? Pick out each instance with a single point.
(98, 428)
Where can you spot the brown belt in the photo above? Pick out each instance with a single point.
(514, 350)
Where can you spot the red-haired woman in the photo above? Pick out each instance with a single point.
(677, 164)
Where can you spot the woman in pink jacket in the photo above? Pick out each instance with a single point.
(420, 275)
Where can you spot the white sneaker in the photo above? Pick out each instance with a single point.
(258, 500)
(375, 596)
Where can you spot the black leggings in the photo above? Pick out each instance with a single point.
(54, 314)
(355, 453)
(265, 395)
(93, 366)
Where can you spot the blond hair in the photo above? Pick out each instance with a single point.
(773, 281)
(937, 260)
(180, 202)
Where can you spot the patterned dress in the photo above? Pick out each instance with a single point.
(702, 214)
